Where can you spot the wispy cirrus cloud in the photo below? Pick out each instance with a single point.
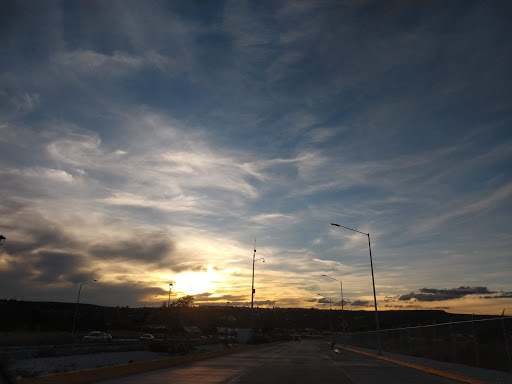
(189, 136)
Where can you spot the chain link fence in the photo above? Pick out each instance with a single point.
(485, 343)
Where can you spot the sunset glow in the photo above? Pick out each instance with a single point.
(149, 143)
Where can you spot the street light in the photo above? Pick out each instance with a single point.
(379, 346)
(2, 239)
(342, 312)
(167, 312)
(77, 302)
(252, 294)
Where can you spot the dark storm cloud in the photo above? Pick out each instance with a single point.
(45, 252)
(42, 252)
(432, 294)
(146, 248)
(360, 303)
(501, 295)
(324, 301)
(55, 266)
(37, 232)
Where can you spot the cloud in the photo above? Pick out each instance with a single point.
(220, 299)
(144, 248)
(138, 149)
(259, 302)
(274, 217)
(431, 294)
(331, 264)
(16, 106)
(500, 194)
(86, 62)
(360, 303)
(500, 295)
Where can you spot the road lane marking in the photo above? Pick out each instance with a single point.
(236, 379)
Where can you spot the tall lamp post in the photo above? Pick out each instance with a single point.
(379, 346)
(252, 294)
(342, 312)
(77, 302)
(168, 309)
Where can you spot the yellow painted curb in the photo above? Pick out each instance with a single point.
(433, 371)
(110, 372)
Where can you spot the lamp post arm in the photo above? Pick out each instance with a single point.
(352, 229)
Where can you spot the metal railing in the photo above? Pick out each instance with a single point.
(485, 343)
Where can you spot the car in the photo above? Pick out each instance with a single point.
(96, 336)
(147, 336)
(296, 338)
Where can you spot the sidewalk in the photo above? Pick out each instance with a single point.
(478, 374)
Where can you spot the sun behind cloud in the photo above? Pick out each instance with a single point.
(193, 283)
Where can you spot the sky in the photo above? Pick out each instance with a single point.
(149, 143)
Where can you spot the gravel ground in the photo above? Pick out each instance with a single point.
(48, 365)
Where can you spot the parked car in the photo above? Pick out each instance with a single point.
(296, 338)
(97, 336)
(147, 336)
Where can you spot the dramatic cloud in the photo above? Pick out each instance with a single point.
(500, 295)
(145, 248)
(143, 153)
(430, 294)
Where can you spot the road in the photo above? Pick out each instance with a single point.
(306, 361)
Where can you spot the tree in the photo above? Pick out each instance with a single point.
(183, 302)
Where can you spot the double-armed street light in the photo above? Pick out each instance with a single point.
(252, 294)
(342, 312)
(77, 302)
(379, 346)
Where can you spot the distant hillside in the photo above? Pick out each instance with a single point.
(55, 316)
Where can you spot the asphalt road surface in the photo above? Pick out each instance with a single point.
(296, 362)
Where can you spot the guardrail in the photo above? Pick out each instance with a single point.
(485, 343)
(123, 345)
(25, 352)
